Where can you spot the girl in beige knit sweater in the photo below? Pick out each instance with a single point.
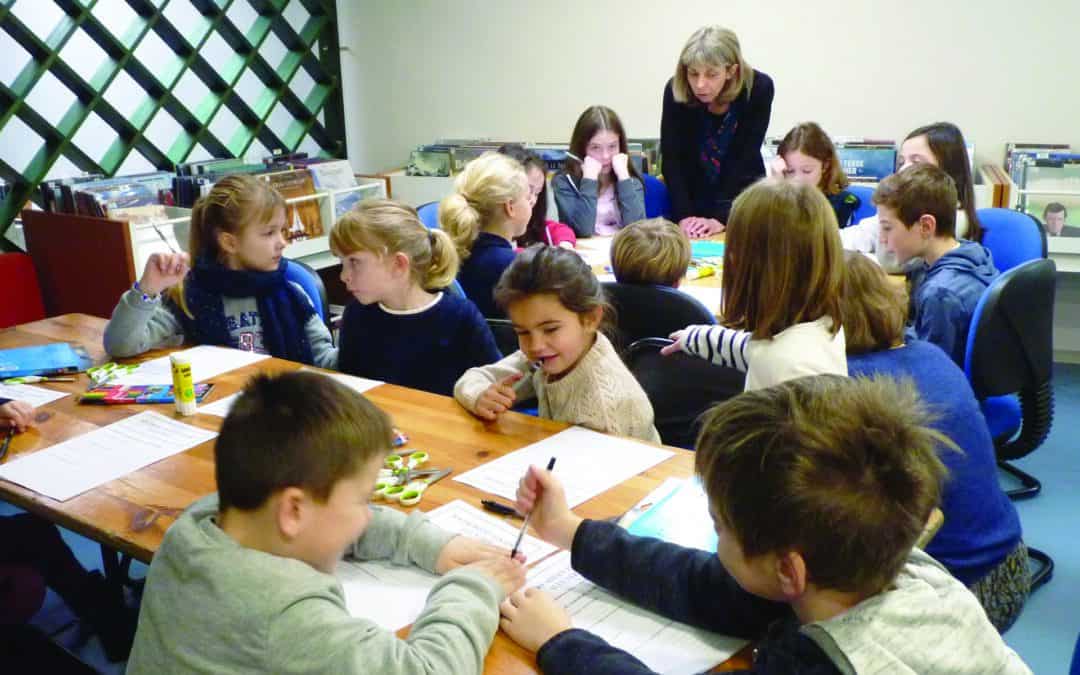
(557, 306)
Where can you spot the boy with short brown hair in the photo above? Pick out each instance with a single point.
(243, 581)
(818, 489)
(653, 251)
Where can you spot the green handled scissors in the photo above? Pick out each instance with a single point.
(401, 482)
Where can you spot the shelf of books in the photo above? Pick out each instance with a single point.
(1043, 180)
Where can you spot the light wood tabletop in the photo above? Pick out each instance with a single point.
(130, 514)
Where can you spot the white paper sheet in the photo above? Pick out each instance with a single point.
(87, 461)
(664, 645)
(220, 407)
(710, 296)
(357, 384)
(206, 361)
(461, 518)
(390, 595)
(587, 463)
(35, 396)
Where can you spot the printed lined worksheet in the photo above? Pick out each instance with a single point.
(35, 396)
(461, 518)
(206, 361)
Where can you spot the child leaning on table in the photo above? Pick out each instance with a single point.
(243, 582)
(654, 251)
(236, 294)
(818, 489)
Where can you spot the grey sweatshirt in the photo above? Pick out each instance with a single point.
(214, 606)
(577, 203)
(139, 325)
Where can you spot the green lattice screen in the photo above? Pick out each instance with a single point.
(122, 86)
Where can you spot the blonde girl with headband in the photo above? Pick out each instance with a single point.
(234, 294)
(489, 208)
(402, 326)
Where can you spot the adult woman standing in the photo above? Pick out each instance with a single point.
(716, 111)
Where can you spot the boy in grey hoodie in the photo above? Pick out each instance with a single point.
(243, 581)
(917, 212)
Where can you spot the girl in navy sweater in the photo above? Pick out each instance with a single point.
(980, 542)
(403, 327)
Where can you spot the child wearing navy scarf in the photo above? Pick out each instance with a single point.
(235, 295)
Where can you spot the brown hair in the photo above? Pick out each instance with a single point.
(782, 260)
(812, 141)
(595, 119)
(843, 471)
(947, 143)
(234, 203)
(653, 251)
(295, 429)
(920, 190)
(480, 191)
(551, 269)
(712, 46)
(874, 308)
(536, 230)
(385, 227)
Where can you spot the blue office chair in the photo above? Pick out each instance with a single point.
(645, 310)
(865, 193)
(657, 202)
(680, 387)
(1074, 669)
(429, 214)
(1013, 237)
(305, 275)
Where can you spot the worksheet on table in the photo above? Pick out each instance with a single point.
(207, 361)
(35, 396)
(222, 406)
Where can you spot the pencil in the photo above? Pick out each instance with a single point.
(154, 225)
(525, 524)
(7, 442)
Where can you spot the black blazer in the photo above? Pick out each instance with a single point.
(680, 134)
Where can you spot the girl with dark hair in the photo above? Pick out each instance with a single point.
(599, 190)
(540, 230)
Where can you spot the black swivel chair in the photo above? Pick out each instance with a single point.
(505, 337)
(680, 387)
(644, 310)
(1009, 361)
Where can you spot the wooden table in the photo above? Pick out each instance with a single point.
(115, 514)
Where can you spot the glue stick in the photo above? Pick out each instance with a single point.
(183, 386)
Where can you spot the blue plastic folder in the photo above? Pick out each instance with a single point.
(681, 517)
(707, 249)
(51, 359)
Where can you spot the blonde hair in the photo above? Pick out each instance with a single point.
(233, 204)
(385, 227)
(783, 262)
(653, 251)
(712, 46)
(480, 191)
(874, 308)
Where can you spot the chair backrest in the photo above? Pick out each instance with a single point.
(20, 295)
(644, 310)
(657, 202)
(311, 282)
(680, 387)
(866, 208)
(1010, 350)
(1013, 237)
(429, 215)
(505, 337)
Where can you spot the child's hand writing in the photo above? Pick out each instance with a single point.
(679, 344)
(541, 493)
(18, 414)
(510, 574)
(590, 168)
(463, 550)
(620, 164)
(163, 270)
(497, 399)
(532, 617)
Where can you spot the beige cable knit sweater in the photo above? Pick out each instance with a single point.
(600, 393)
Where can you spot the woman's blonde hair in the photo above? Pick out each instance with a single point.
(874, 308)
(712, 46)
(480, 191)
(234, 203)
(783, 262)
(385, 227)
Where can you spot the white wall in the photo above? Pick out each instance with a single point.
(415, 70)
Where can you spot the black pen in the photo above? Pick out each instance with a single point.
(525, 524)
(499, 508)
(7, 442)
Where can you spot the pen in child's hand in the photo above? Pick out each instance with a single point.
(525, 524)
(533, 366)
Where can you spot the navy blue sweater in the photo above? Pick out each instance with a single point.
(981, 526)
(944, 295)
(680, 144)
(491, 254)
(427, 350)
(684, 584)
(844, 205)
